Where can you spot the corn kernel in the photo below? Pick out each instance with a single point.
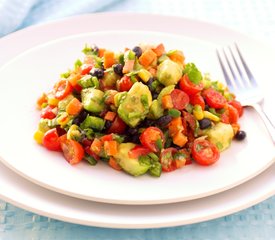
(197, 112)
(63, 119)
(53, 101)
(38, 136)
(211, 116)
(144, 75)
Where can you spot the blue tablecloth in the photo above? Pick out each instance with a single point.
(255, 17)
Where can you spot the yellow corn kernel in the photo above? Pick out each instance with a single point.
(211, 116)
(38, 136)
(221, 86)
(198, 112)
(144, 75)
(74, 132)
(53, 101)
(63, 119)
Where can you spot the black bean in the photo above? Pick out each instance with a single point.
(135, 139)
(150, 81)
(108, 124)
(95, 48)
(155, 95)
(118, 69)
(149, 84)
(97, 72)
(132, 131)
(80, 117)
(240, 135)
(206, 108)
(137, 50)
(163, 121)
(147, 123)
(205, 123)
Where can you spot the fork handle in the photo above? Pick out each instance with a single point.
(268, 124)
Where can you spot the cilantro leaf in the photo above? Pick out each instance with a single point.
(193, 73)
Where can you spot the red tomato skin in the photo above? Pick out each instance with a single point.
(197, 99)
(204, 152)
(62, 89)
(124, 84)
(180, 99)
(118, 126)
(233, 114)
(188, 157)
(230, 115)
(51, 140)
(147, 141)
(236, 104)
(48, 113)
(86, 68)
(168, 165)
(187, 86)
(138, 151)
(225, 117)
(72, 150)
(214, 98)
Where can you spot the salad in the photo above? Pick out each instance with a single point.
(139, 110)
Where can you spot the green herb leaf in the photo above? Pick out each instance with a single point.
(193, 73)
(77, 64)
(90, 159)
(155, 169)
(174, 113)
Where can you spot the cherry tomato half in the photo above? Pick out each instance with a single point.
(197, 99)
(138, 151)
(172, 159)
(189, 87)
(124, 84)
(167, 160)
(182, 158)
(179, 99)
(152, 138)
(62, 89)
(204, 152)
(72, 150)
(51, 140)
(236, 104)
(230, 115)
(214, 98)
(48, 113)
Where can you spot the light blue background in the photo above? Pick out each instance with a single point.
(254, 17)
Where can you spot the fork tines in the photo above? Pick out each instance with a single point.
(235, 70)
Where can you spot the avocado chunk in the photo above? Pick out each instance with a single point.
(221, 135)
(169, 72)
(93, 122)
(156, 110)
(135, 104)
(130, 165)
(92, 100)
(64, 102)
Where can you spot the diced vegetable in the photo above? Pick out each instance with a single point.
(140, 110)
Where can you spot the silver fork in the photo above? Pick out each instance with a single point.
(241, 82)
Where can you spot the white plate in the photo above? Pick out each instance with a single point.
(39, 200)
(51, 204)
(34, 71)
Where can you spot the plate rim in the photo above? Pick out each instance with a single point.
(124, 15)
(93, 218)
